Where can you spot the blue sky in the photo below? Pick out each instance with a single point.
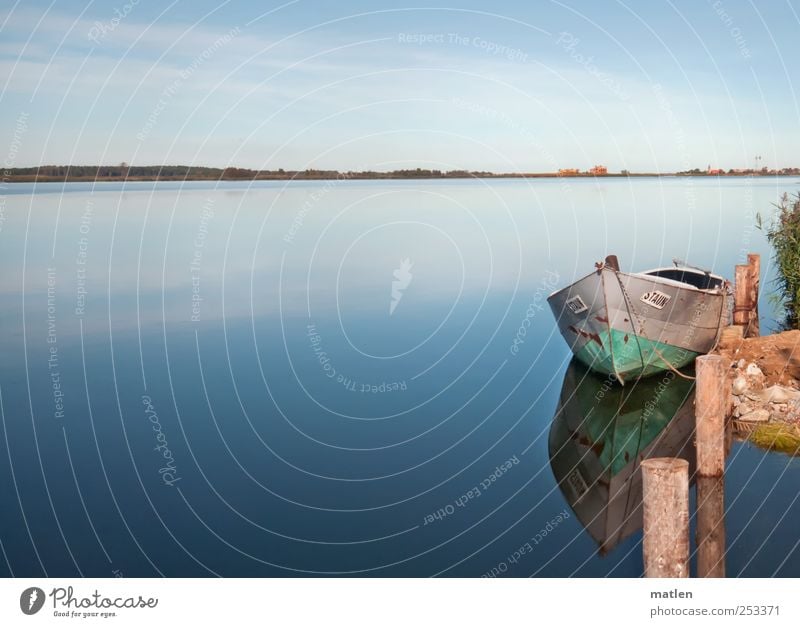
(530, 86)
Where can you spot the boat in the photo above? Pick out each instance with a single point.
(631, 325)
(599, 436)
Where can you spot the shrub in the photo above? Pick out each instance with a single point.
(784, 235)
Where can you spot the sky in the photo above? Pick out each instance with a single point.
(528, 86)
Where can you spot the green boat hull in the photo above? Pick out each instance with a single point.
(627, 356)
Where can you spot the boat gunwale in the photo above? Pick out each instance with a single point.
(655, 279)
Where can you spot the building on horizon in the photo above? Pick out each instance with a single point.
(599, 170)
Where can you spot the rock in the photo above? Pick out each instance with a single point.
(740, 364)
(739, 385)
(753, 371)
(754, 377)
(778, 394)
(736, 400)
(758, 415)
(745, 408)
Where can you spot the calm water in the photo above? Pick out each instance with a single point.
(222, 379)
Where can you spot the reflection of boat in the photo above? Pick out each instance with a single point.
(637, 324)
(600, 434)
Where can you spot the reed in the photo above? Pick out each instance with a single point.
(784, 235)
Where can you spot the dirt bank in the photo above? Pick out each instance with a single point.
(765, 388)
(777, 356)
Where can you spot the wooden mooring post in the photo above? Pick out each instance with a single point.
(710, 531)
(665, 484)
(745, 295)
(754, 263)
(711, 399)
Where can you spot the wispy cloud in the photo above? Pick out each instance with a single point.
(346, 79)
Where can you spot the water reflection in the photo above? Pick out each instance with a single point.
(602, 431)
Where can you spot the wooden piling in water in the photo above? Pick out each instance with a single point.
(711, 398)
(741, 296)
(710, 531)
(711, 401)
(754, 265)
(745, 295)
(665, 484)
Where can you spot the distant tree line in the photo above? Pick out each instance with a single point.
(123, 171)
(180, 172)
(741, 172)
(120, 171)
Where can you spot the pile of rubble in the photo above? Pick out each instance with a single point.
(765, 386)
(756, 401)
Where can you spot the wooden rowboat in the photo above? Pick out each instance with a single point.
(637, 324)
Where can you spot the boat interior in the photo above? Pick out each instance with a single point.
(700, 280)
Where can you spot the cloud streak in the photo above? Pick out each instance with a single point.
(297, 69)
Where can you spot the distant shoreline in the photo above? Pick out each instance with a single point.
(111, 174)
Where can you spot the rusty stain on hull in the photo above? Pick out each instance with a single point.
(596, 447)
(592, 336)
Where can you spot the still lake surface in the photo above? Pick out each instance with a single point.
(246, 379)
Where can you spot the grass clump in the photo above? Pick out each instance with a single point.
(781, 437)
(784, 235)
